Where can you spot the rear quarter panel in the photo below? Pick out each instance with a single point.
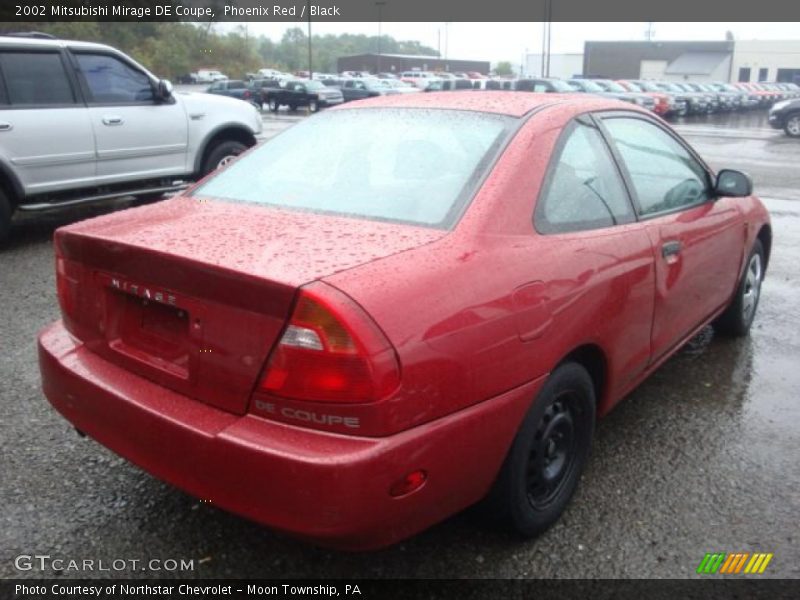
(493, 304)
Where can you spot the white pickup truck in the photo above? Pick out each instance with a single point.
(82, 122)
(207, 76)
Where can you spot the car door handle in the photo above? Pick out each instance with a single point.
(671, 249)
(6, 126)
(111, 121)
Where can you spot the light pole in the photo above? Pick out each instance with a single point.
(546, 29)
(544, 42)
(380, 4)
(310, 66)
(446, 41)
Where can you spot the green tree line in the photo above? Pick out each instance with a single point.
(171, 50)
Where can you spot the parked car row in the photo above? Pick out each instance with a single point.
(274, 93)
(665, 98)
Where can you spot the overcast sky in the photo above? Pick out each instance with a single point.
(508, 41)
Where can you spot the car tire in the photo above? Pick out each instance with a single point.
(5, 216)
(222, 154)
(792, 125)
(292, 107)
(738, 317)
(313, 106)
(273, 105)
(546, 458)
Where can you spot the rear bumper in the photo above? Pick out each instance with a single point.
(329, 488)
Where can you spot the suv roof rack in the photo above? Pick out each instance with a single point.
(30, 34)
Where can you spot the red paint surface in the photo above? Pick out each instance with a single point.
(476, 317)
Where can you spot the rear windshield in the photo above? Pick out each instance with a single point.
(415, 166)
(612, 86)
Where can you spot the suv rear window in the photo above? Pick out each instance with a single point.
(36, 79)
(407, 165)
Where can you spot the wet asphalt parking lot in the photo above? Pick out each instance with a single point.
(703, 457)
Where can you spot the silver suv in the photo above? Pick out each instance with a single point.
(82, 122)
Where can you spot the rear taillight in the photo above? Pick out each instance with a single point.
(65, 286)
(246, 95)
(331, 351)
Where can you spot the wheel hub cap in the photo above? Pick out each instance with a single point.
(752, 287)
(552, 454)
(225, 161)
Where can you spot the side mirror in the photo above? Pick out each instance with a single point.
(164, 89)
(733, 184)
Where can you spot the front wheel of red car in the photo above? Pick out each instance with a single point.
(547, 456)
(738, 317)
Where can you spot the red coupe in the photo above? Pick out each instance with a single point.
(398, 308)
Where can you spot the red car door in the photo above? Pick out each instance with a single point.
(594, 258)
(697, 239)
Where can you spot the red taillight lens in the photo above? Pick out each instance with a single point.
(64, 287)
(246, 95)
(331, 351)
(410, 483)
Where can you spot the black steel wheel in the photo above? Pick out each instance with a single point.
(545, 461)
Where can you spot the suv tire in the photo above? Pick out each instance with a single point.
(792, 125)
(5, 216)
(221, 154)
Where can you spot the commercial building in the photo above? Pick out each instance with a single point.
(563, 66)
(397, 63)
(761, 60)
(729, 60)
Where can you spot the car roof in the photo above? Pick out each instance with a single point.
(9, 40)
(514, 104)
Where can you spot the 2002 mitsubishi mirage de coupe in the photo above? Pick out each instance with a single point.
(431, 312)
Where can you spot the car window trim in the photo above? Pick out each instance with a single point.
(78, 100)
(601, 116)
(87, 90)
(4, 101)
(587, 120)
(456, 214)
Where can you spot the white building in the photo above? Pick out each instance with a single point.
(723, 60)
(766, 60)
(563, 66)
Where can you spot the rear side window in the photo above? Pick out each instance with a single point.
(3, 95)
(414, 166)
(585, 190)
(111, 81)
(663, 172)
(36, 79)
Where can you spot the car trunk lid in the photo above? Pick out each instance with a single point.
(194, 294)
